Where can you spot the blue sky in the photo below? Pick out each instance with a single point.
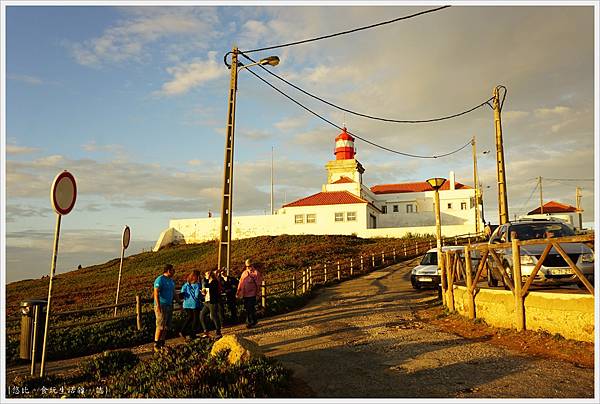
(132, 100)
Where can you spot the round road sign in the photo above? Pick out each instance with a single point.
(126, 237)
(63, 193)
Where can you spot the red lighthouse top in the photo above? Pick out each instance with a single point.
(344, 146)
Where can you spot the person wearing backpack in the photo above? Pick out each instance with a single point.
(249, 290)
(192, 303)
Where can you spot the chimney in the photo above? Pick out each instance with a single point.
(452, 181)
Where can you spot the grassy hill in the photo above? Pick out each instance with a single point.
(96, 285)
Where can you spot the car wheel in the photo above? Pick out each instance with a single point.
(491, 281)
(510, 271)
(416, 286)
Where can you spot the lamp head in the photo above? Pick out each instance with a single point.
(436, 183)
(271, 60)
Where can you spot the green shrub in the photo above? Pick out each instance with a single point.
(108, 362)
(187, 371)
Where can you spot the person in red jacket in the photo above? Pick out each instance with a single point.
(249, 290)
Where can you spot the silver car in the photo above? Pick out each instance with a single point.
(554, 269)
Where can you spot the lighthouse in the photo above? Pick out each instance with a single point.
(344, 146)
(345, 171)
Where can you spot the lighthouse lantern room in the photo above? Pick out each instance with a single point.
(344, 146)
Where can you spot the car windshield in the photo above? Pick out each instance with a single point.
(541, 230)
(429, 259)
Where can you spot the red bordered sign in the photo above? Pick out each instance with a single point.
(126, 237)
(63, 193)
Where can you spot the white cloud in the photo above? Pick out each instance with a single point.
(14, 149)
(290, 123)
(557, 111)
(129, 38)
(189, 75)
(25, 78)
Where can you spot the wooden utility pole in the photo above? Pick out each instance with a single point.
(227, 202)
(541, 195)
(502, 196)
(476, 182)
(272, 152)
(578, 205)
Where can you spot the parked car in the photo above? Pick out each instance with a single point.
(554, 269)
(427, 273)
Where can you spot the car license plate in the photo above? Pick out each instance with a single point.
(561, 271)
(425, 279)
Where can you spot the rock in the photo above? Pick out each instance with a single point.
(240, 349)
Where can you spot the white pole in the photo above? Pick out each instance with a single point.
(272, 151)
(119, 281)
(52, 269)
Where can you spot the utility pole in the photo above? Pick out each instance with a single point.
(578, 206)
(227, 202)
(272, 151)
(541, 195)
(476, 183)
(502, 196)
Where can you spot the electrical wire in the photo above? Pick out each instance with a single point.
(568, 179)
(366, 115)
(352, 134)
(528, 199)
(347, 32)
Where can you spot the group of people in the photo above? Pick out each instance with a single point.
(205, 297)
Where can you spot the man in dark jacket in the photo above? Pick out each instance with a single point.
(230, 285)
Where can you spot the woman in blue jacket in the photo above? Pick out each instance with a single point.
(192, 303)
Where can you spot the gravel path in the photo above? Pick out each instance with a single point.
(362, 338)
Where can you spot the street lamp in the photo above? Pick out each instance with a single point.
(227, 200)
(436, 184)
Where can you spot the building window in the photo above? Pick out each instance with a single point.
(311, 218)
(449, 206)
(351, 216)
(339, 216)
(299, 219)
(395, 208)
(463, 206)
(384, 209)
(410, 208)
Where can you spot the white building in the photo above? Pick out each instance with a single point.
(347, 206)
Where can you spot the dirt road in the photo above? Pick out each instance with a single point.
(363, 338)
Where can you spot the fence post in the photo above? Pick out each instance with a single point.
(404, 250)
(519, 301)
(470, 297)
(310, 281)
(430, 244)
(339, 273)
(303, 281)
(325, 274)
(294, 282)
(455, 240)
(444, 286)
(373, 260)
(416, 248)
(351, 267)
(394, 254)
(448, 265)
(383, 258)
(361, 264)
(263, 292)
(138, 312)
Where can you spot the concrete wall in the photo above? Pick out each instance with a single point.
(570, 315)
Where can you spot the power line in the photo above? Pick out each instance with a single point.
(568, 179)
(356, 136)
(366, 115)
(348, 31)
(528, 199)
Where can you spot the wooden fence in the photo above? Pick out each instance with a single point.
(457, 266)
(298, 282)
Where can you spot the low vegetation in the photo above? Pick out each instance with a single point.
(183, 372)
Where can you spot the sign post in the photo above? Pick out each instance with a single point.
(124, 245)
(62, 196)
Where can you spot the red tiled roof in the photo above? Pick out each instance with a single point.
(343, 180)
(413, 187)
(554, 207)
(327, 198)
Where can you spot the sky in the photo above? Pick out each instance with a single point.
(133, 101)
